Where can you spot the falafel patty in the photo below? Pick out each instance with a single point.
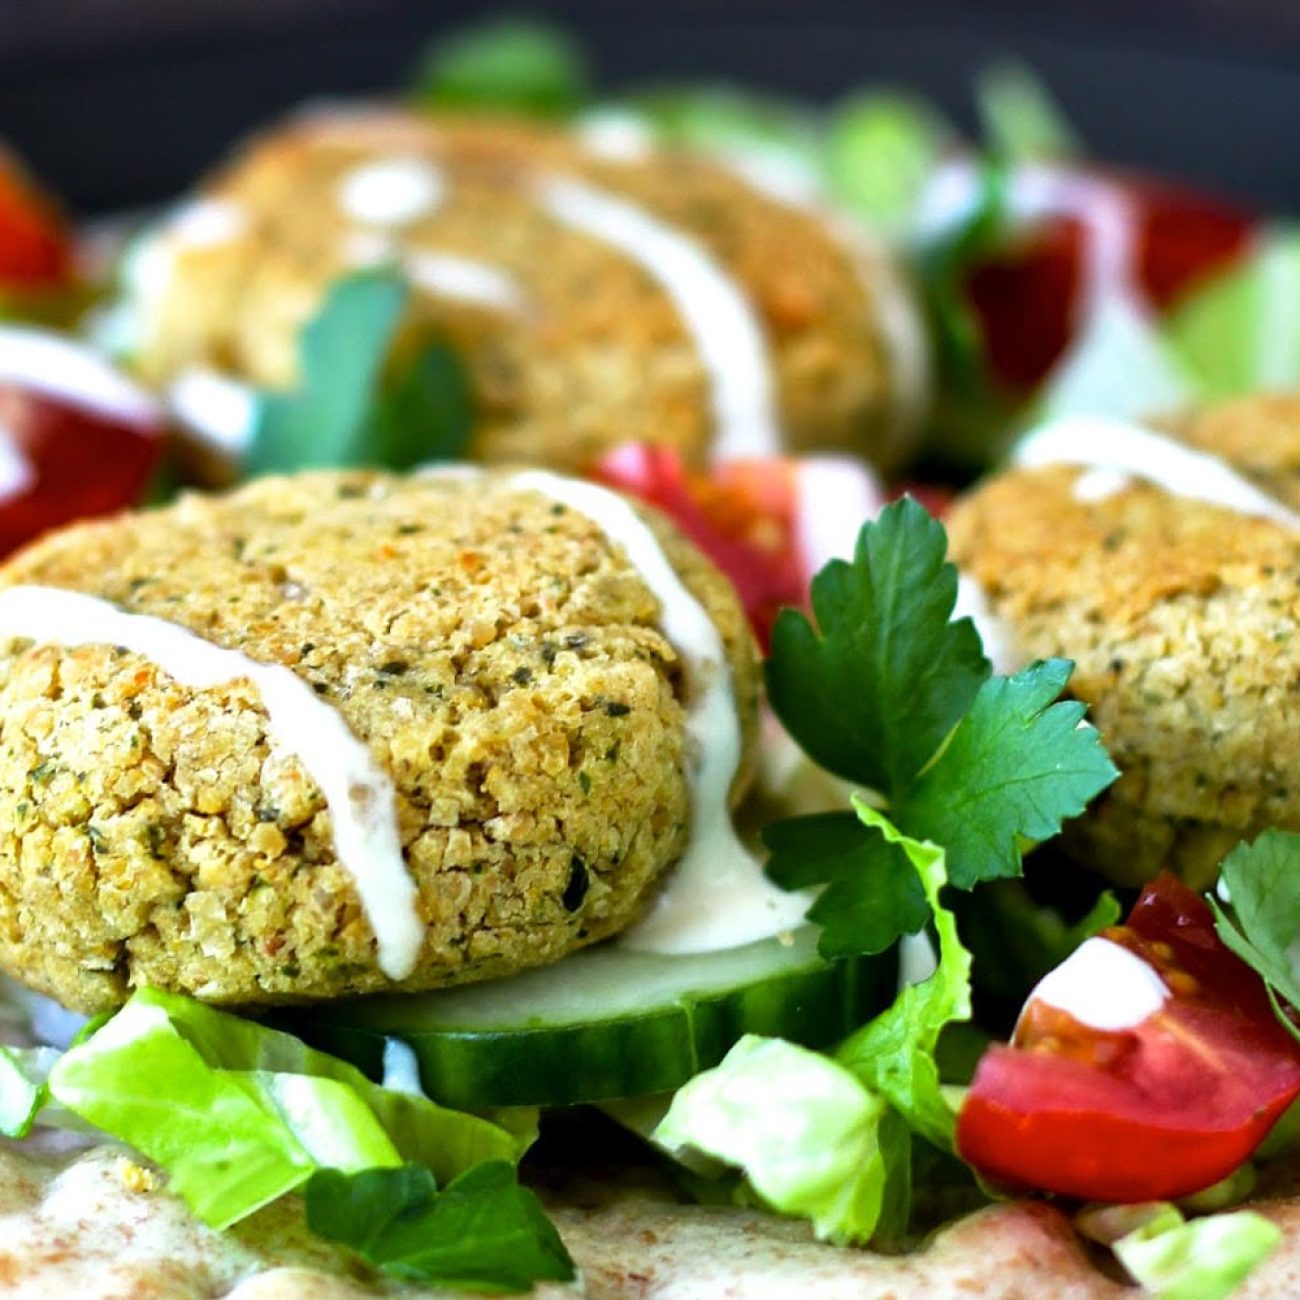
(478, 654)
(595, 300)
(1177, 594)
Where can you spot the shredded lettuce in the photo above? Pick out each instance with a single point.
(1203, 1259)
(24, 1090)
(1239, 330)
(894, 1055)
(1021, 120)
(238, 1114)
(805, 1131)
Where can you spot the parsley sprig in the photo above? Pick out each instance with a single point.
(888, 691)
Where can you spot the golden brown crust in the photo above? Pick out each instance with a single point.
(501, 659)
(597, 354)
(1184, 623)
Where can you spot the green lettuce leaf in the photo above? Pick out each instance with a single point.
(1204, 1259)
(881, 149)
(24, 1088)
(509, 65)
(1015, 768)
(1021, 121)
(1262, 924)
(1238, 331)
(803, 1129)
(874, 895)
(482, 1233)
(874, 689)
(894, 1055)
(238, 1114)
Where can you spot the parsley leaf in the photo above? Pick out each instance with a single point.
(1017, 766)
(482, 1233)
(347, 411)
(875, 895)
(874, 689)
(512, 65)
(1263, 881)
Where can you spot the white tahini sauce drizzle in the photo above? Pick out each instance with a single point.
(218, 410)
(206, 222)
(359, 795)
(401, 1068)
(726, 331)
(391, 191)
(69, 371)
(717, 896)
(465, 279)
(1095, 443)
(17, 473)
(1104, 986)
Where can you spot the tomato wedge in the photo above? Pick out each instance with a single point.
(753, 518)
(76, 438)
(1144, 1076)
(35, 246)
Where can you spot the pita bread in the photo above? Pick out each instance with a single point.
(91, 1222)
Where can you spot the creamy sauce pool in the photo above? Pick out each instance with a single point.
(359, 794)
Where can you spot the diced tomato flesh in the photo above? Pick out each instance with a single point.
(35, 246)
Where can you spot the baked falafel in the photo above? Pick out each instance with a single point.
(1181, 612)
(493, 655)
(594, 299)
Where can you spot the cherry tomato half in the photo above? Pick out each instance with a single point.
(76, 439)
(1086, 1104)
(35, 247)
(768, 524)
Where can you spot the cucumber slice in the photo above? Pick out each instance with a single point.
(606, 1022)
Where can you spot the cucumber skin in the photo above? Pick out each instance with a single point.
(606, 1059)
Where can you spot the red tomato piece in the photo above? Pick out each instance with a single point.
(1151, 1111)
(742, 516)
(35, 247)
(76, 438)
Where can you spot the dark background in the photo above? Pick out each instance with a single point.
(122, 102)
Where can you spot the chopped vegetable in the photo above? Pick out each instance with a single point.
(607, 1022)
(1021, 120)
(1205, 1259)
(482, 1233)
(894, 1055)
(35, 246)
(238, 1114)
(1151, 1089)
(24, 1090)
(805, 1131)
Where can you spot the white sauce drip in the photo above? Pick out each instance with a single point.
(1104, 986)
(218, 410)
(450, 276)
(401, 1068)
(391, 191)
(834, 497)
(359, 795)
(1095, 443)
(17, 473)
(1100, 485)
(726, 331)
(68, 371)
(447, 275)
(717, 896)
